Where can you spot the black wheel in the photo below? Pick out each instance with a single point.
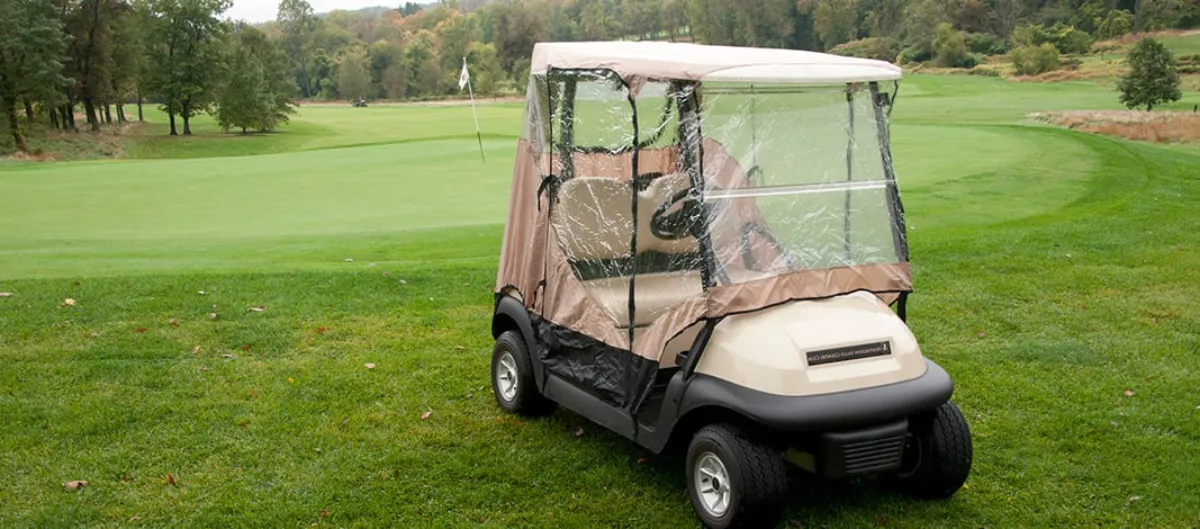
(512, 378)
(734, 480)
(937, 456)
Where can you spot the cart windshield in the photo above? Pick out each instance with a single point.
(798, 178)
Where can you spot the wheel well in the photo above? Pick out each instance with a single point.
(702, 416)
(503, 322)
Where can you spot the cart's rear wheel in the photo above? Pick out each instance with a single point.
(937, 458)
(512, 378)
(734, 480)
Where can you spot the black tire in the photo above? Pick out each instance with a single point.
(756, 473)
(525, 399)
(937, 457)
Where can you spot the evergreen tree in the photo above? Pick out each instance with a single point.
(1153, 76)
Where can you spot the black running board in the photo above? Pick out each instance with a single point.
(592, 408)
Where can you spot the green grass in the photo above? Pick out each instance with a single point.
(1183, 44)
(1054, 270)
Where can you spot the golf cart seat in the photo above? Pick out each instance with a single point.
(594, 222)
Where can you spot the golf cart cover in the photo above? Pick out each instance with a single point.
(607, 245)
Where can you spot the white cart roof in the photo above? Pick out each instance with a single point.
(670, 60)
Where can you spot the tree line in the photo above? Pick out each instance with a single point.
(57, 56)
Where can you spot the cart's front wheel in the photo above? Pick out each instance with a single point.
(734, 480)
(512, 378)
(937, 458)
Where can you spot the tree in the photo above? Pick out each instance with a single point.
(423, 74)
(259, 89)
(353, 73)
(32, 48)
(299, 24)
(1153, 76)
(836, 21)
(516, 27)
(186, 59)
(91, 25)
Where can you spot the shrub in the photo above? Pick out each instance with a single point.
(919, 52)
(986, 44)
(1033, 60)
(880, 48)
(986, 72)
(1064, 37)
(950, 48)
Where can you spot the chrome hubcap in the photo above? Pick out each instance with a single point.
(506, 377)
(712, 484)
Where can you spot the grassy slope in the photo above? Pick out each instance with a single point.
(1054, 271)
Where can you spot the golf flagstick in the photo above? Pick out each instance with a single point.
(465, 79)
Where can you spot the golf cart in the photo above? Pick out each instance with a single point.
(706, 247)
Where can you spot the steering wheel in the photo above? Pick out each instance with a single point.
(687, 221)
(751, 263)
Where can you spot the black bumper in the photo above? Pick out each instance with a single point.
(823, 413)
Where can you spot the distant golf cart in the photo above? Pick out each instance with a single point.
(705, 245)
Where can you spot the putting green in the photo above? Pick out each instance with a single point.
(350, 182)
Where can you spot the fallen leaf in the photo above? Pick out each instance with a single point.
(170, 479)
(173, 322)
(1129, 393)
(205, 368)
(369, 366)
(879, 520)
(385, 273)
(212, 315)
(314, 524)
(324, 514)
(403, 282)
(73, 486)
(6, 294)
(196, 351)
(134, 518)
(321, 330)
(246, 347)
(291, 380)
(259, 308)
(253, 394)
(642, 460)
(227, 355)
(201, 292)
(980, 333)
(140, 330)
(425, 416)
(69, 302)
(579, 431)
(1134, 498)
(92, 334)
(460, 348)
(76, 283)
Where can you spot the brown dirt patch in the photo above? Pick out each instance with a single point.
(1159, 127)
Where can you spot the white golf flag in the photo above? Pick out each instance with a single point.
(464, 77)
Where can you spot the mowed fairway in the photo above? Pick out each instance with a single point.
(1056, 277)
